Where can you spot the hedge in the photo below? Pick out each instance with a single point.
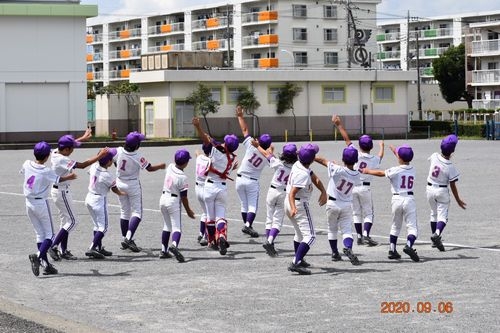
(447, 127)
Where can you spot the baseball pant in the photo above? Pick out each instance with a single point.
(38, 211)
(200, 187)
(131, 203)
(215, 197)
(302, 223)
(362, 204)
(339, 217)
(248, 192)
(404, 209)
(97, 206)
(439, 200)
(275, 202)
(170, 208)
(63, 200)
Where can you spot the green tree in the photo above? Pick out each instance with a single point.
(249, 103)
(449, 69)
(201, 100)
(285, 101)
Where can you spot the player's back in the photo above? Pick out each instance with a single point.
(300, 177)
(441, 170)
(38, 180)
(175, 180)
(402, 178)
(253, 162)
(101, 180)
(368, 161)
(129, 164)
(342, 181)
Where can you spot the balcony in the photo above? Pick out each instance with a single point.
(166, 29)
(125, 34)
(124, 54)
(489, 104)
(259, 17)
(95, 76)
(433, 52)
(210, 23)
(263, 63)
(97, 56)
(388, 37)
(486, 77)
(427, 72)
(122, 73)
(486, 47)
(218, 44)
(389, 55)
(262, 40)
(432, 33)
(166, 48)
(94, 38)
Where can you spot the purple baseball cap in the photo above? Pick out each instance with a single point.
(365, 142)
(290, 149)
(108, 157)
(41, 150)
(207, 148)
(448, 144)
(68, 141)
(231, 142)
(405, 153)
(265, 141)
(350, 155)
(134, 138)
(182, 157)
(307, 153)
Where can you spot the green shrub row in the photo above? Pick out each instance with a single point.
(447, 127)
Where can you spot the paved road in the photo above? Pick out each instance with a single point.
(246, 291)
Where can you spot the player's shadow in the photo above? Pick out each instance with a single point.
(229, 256)
(94, 273)
(458, 257)
(355, 269)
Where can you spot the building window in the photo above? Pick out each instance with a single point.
(216, 94)
(300, 58)
(330, 35)
(334, 94)
(331, 59)
(273, 94)
(299, 10)
(330, 11)
(384, 94)
(299, 34)
(233, 93)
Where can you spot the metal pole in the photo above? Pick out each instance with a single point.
(228, 38)
(419, 96)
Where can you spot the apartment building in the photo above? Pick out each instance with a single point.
(262, 34)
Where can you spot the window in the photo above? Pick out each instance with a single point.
(273, 94)
(216, 94)
(334, 94)
(299, 34)
(299, 10)
(331, 59)
(233, 93)
(384, 94)
(492, 65)
(330, 11)
(330, 35)
(300, 58)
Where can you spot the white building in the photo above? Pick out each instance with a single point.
(42, 69)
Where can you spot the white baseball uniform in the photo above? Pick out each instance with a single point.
(100, 182)
(247, 183)
(302, 222)
(202, 164)
(276, 195)
(441, 173)
(340, 188)
(128, 167)
(402, 178)
(170, 201)
(38, 180)
(61, 194)
(362, 203)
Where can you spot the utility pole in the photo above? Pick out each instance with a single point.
(349, 42)
(419, 97)
(408, 41)
(228, 36)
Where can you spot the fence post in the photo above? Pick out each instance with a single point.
(310, 135)
(428, 131)
(455, 124)
(286, 135)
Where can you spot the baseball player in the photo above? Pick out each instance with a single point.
(342, 180)
(63, 165)
(362, 203)
(202, 166)
(129, 163)
(442, 173)
(275, 200)
(100, 182)
(298, 193)
(223, 161)
(247, 183)
(38, 179)
(402, 178)
(175, 190)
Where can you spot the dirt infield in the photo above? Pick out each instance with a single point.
(247, 291)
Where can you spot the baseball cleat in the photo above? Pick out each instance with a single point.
(203, 241)
(352, 257)
(93, 253)
(213, 246)
(436, 240)
(175, 251)
(68, 255)
(394, 255)
(199, 238)
(360, 240)
(165, 255)
(336, 256)
(105, 252)
(369, 241)
(223, 245)
(130, 244)
(35, 264)
(412, 253)
(54, 253)
(299, 269)
(50, 270)
(250, 231)
(270, 250)
(303, 263)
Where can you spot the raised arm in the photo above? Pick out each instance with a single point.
(267, 153)
(203, 136)
(454, 190)
(393, 149)
(378, 173)
(241, 121)
(338, 123)
(87, 135)
(82, 165)
(381, 150)
(156, 167)
(321, 160)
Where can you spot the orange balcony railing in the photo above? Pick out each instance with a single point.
(125, 54)
(90, 57)
(213, 44)
(268, 62)
(125, 34)
(165, 28)
(165, 47)
(268, 16)
(212, 22)
(125, 73)
(90, 76)
(89, 39)
(268, 39)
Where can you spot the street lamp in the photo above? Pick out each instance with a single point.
(291, 55)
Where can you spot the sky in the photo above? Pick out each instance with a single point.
(387, 9)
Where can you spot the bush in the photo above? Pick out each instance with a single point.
(435, 126)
